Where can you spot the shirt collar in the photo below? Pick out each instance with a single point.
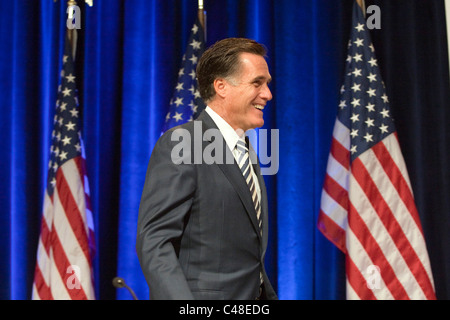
(228, 133)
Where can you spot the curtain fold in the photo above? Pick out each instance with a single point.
(127, 62)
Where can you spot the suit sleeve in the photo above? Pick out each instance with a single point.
(166, 201)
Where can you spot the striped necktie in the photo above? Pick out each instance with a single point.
(244, 164)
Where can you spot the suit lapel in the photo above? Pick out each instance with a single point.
(233, 173)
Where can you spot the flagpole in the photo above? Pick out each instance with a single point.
(202, 16)
(72, 35)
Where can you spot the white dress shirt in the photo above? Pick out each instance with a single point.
(231, 139)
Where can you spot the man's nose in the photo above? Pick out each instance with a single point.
(266, 94)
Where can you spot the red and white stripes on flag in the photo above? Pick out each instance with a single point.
(64, 261)
(367, 205)
(66, 244)
(368, 212)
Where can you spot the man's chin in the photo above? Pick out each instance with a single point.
(256, 125)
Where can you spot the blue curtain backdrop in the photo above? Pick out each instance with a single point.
(127, 62)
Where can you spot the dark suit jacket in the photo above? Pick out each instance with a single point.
(197, 228)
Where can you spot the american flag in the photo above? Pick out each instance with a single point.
(186, 102)
(367, 205)
(66, 244)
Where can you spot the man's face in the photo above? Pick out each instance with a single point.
(248, 93)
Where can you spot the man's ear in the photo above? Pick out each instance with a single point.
(220, 85)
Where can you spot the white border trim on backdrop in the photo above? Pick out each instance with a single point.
(447, 17)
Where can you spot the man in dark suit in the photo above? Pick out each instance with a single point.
(203, 218)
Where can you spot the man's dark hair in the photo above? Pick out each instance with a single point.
(221, 60)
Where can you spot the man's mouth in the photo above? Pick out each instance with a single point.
(259, 107)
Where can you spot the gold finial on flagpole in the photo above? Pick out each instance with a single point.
(202, 16)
